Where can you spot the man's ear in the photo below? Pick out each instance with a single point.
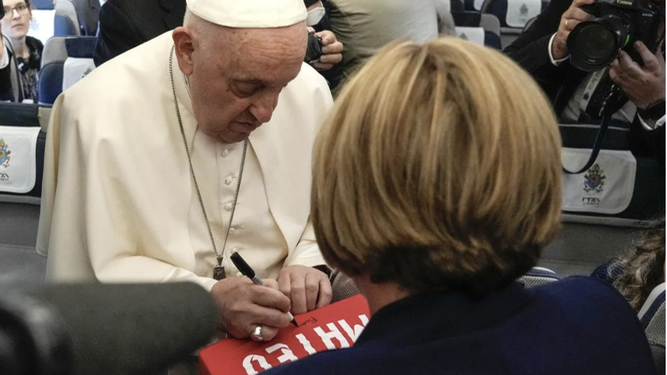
(183, 42)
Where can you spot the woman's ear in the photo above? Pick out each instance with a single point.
(184, 48)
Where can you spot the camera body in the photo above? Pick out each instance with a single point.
(314, 49)
(617, 24)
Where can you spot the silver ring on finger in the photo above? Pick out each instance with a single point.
(257, 334)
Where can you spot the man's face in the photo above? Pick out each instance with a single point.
(236, 79)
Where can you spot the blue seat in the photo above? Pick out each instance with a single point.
(538, 276)
(652, 317)
(56, 51)
(63, 26)
(42, 4)
(66, 10)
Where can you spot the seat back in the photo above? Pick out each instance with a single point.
(538, 276)
(63, 26)
(65, 61)
(483, 29)
(513, 15)
(652, 316)
(42, 4)
(67, 18)
(21, 268)
(20, 208)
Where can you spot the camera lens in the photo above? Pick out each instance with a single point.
(596, 42)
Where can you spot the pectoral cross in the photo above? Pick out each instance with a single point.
(219, 272)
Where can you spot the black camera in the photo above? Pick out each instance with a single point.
(314, 50)
(617, 24)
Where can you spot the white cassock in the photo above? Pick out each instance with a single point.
(118, 201)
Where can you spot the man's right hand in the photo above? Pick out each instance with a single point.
(243, 306)
(571, 18)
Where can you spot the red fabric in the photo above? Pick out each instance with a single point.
(335, 326)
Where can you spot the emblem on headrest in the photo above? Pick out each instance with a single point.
(4, 153)
(594, 179)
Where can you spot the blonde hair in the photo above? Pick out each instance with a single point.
(439, 167)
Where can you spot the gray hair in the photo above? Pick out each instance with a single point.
(203, 29)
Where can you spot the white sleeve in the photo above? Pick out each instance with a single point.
(4, 61)
(551, 57)
(659, 123)
(306, 253)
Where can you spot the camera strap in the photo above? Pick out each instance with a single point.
(591, 86)
(597, 145)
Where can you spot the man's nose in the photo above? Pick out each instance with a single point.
(15, 13)
(263, 107)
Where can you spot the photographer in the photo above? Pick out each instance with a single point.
(543, 51)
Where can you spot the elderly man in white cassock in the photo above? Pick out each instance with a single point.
(186, 149)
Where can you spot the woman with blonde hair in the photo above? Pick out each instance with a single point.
(436, 183)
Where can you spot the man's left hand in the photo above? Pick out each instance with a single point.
(644, 85)
(308, 288)
(332, 51)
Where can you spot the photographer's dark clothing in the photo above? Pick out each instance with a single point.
(125, 24)
(26, 70)
(546, 330)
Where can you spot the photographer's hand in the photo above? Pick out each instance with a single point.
(331, 51)
(571, 18)
(644, 85)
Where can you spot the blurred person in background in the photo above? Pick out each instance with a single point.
(436, 184)
(20, 55)
(365, 26)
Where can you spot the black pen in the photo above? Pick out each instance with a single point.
(246, 270)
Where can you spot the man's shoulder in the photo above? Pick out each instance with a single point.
(580, 296)
(133, 75)
(309, 78)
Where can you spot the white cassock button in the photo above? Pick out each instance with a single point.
(225, 153)
(232, 230)
(229, 180)
(228, 207)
